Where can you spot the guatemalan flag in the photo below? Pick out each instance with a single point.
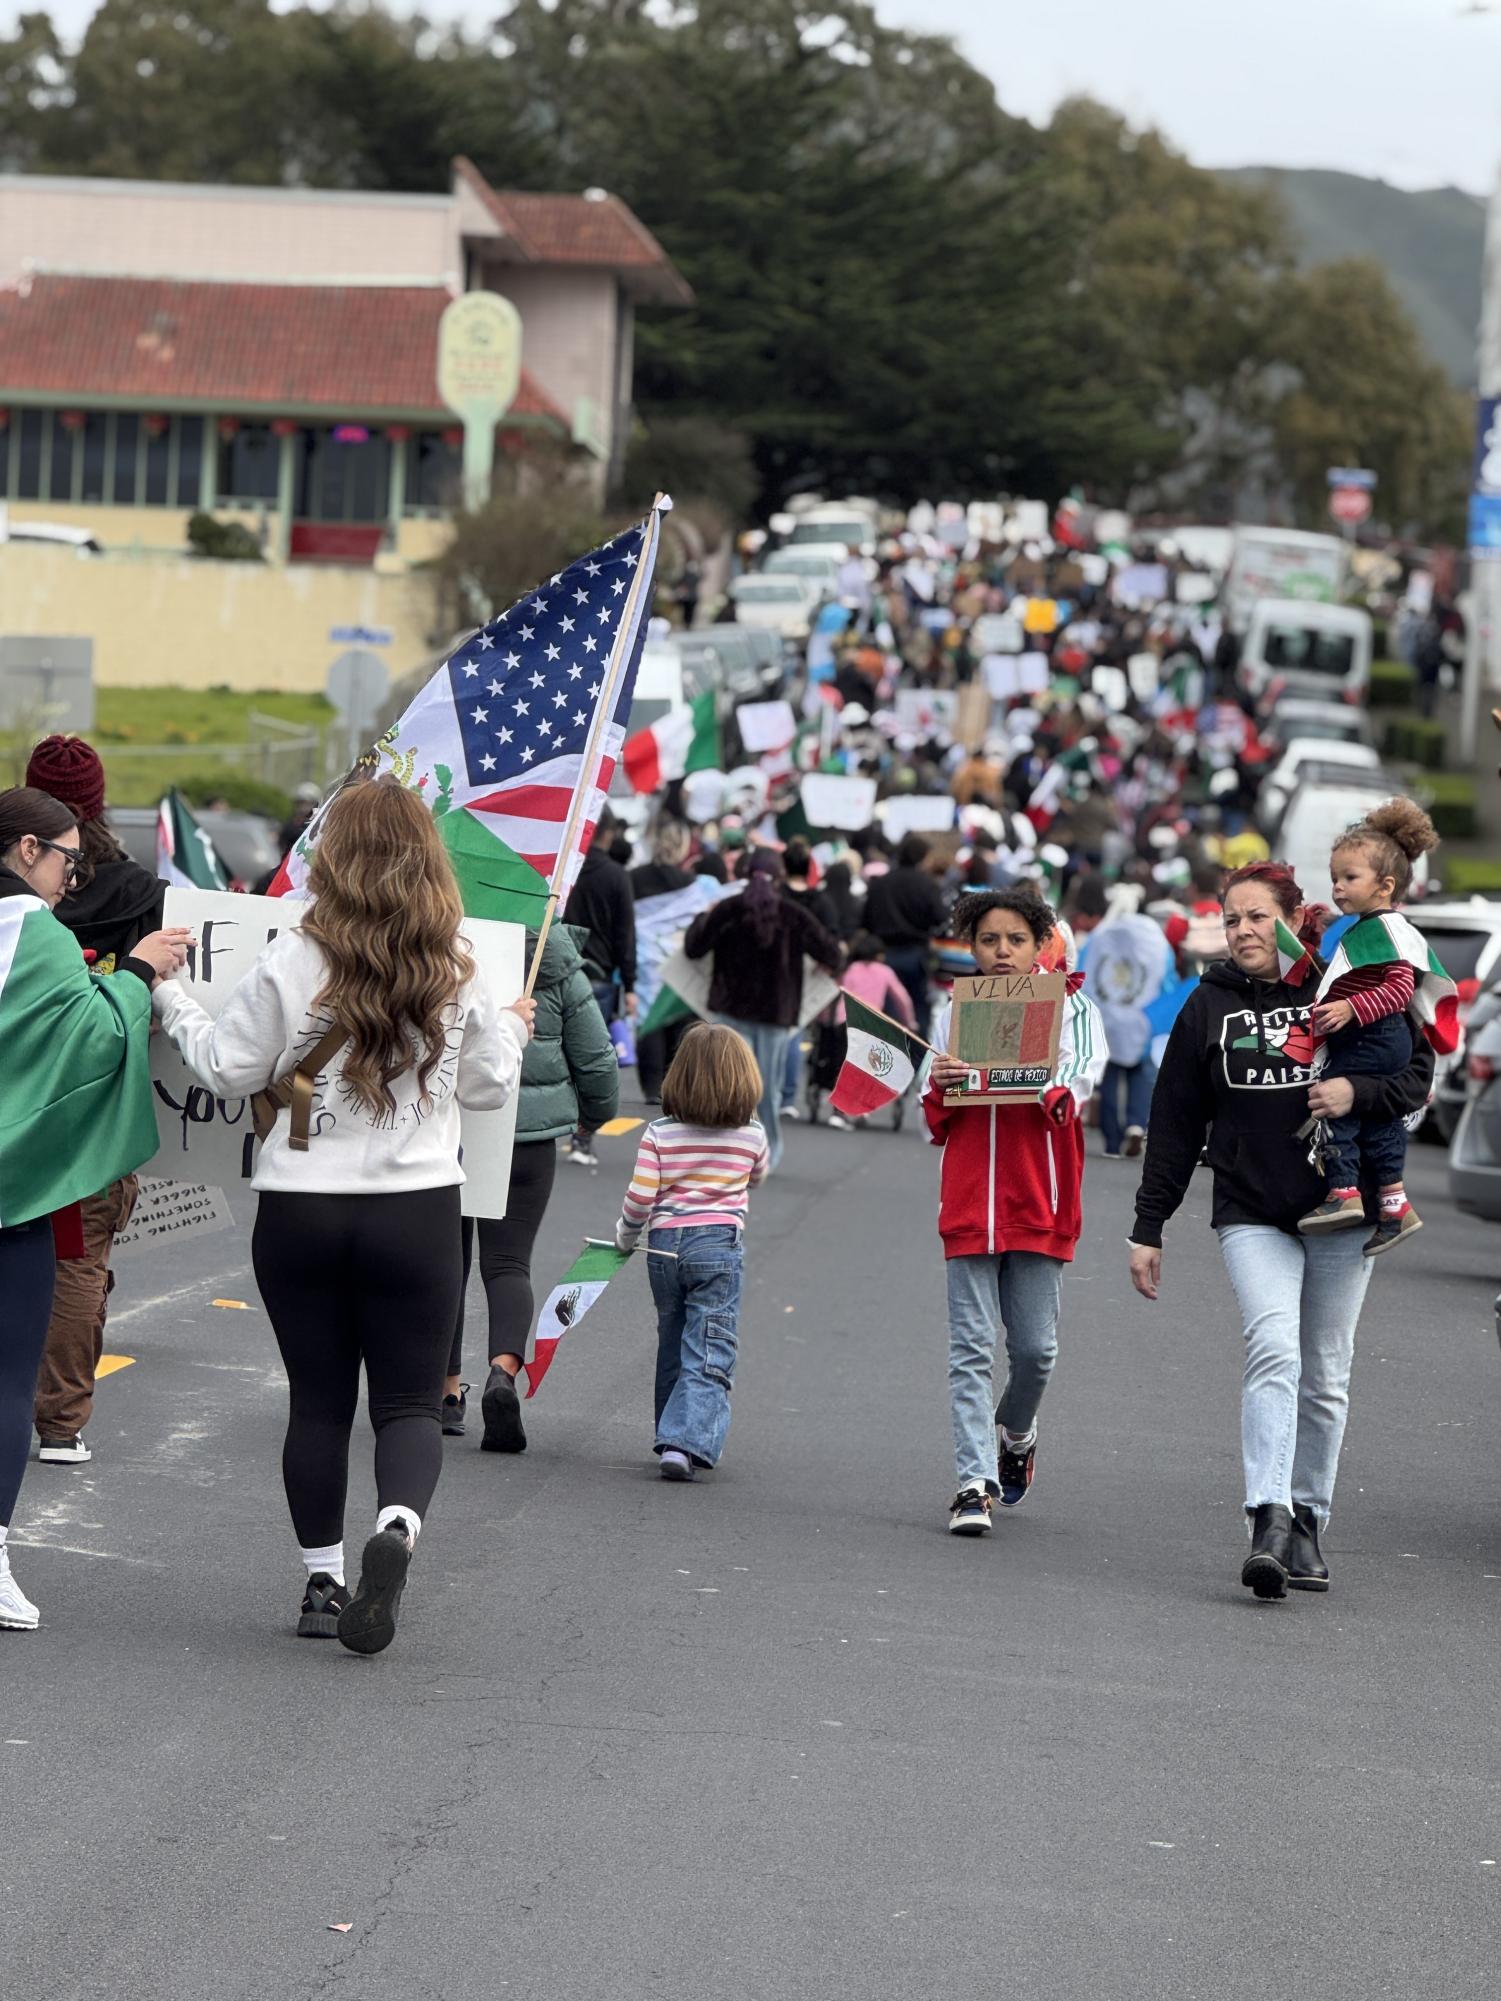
(514, 741)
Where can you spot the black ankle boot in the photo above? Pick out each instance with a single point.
(1306, 1568)
(1265, 1569)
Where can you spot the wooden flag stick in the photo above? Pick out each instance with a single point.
(891, 1021)
(652, 526)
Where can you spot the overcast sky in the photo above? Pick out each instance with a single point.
(1406, 89)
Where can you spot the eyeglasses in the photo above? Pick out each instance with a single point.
(76, 869)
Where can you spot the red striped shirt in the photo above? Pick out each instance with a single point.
(1374, 991)
(687, 1176)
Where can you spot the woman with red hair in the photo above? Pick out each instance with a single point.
(1237, 1070)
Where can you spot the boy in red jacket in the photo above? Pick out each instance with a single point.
(1009, 1215)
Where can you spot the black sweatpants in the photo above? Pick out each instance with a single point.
(505, 1254)
(350, 1279)
(27, 1268)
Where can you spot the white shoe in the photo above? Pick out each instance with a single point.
(840, 1123)
(677, 1466)
(65, 1451)
(16, 1609)
(791, 1112)
(1131, 1145)
(969, 1512)
(583, 1156)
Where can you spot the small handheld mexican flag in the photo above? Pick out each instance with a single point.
(1294, 960)
(879, 1064)
(1387, 938)
(568, 1302)
(184, 853)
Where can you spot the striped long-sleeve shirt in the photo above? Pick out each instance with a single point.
(1374, 991)
(692, 1175)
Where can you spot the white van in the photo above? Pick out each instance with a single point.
(1304, 648)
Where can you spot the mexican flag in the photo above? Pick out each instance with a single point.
(1387, 938)
(879, 1064)
(78, 1110)
(661, 922)
(686, 984)
(184, 853)
(1294, 960)
(687, 740)
(568, 1302)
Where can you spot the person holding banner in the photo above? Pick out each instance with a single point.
(75, 1104)
(371, 1019)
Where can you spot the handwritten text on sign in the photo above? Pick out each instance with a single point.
(1006, 1028)
(173, 1210)
(204, 1138)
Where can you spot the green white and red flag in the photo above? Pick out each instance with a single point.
(1294, 960)
(880, 1062)
(1387, 938)
(184, 853)
(568, 1302)
(672, 746)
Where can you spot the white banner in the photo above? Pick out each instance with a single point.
(206, 1139)
(916, 814)
(765, 726)
(848, 804)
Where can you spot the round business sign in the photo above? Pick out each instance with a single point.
(1350, 503)
(479, 356)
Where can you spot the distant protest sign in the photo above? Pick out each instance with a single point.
(927, 711)
(765, 726)
(205, 1139)
(916, 813)
(846, 804)
(1005, 1028)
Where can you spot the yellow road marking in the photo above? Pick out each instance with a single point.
(109, 1364)
(618, 1126)
(239, 1304)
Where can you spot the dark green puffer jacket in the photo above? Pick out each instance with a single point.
(570, 1074)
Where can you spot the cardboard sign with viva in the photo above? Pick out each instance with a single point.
(1005, 1027)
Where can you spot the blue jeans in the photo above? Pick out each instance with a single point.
(1021, 1289)
(1377, 1145)
(1299, 1298)
(698, 1305)
(769, 1047)
(792, 1068)
(1138, 1079)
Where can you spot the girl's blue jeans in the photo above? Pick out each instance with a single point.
(698, 1308)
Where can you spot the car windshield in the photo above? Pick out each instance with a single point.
(768, 590)
(1326, 732)
(851, 531)
(1301, 649)
(789, 563)
(1458, 952)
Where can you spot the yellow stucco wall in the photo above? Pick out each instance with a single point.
(158, 621)
(125, 528)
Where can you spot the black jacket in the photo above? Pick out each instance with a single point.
(1236, 1066)
(115, 911)
(602, 905)
(905, 907)
(755, 982)
(657, 879)
(817, 905)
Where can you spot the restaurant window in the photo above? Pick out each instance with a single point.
(127, 441)
(28, 458)
(189, 461)
(433, 469)
(249, 465)
(344, 477)
(95, 429)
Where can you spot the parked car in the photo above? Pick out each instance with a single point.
(1475, 1155)
(1321, 650)
(814, 563)
(246, 843)
(1466, 936)
(1290, 717)
(783, 604)
(1329, 798)
(1281, 781)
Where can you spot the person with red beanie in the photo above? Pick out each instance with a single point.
(114, 905)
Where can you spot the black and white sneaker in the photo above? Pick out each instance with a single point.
(1015, 1473)
(64, 1451)
(454, 1410)
(969, 1512)
(502, 1410)
(367, 1623)
(322, 1603)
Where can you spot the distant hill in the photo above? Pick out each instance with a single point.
(1430, 242)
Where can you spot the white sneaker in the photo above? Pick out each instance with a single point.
(16, 1609)
(969, 1512)
(582, 1156)
(840, 1124)
(677, 1466)
(65, 1451)
(791, 1112)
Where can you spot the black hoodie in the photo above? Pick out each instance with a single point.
(1236, 1066)
(112, 914)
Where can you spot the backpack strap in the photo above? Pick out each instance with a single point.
(295, 1089)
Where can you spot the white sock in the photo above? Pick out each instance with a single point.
(329, 1560)
(1393, 1205)
(407, 1517)
(1018, 1444)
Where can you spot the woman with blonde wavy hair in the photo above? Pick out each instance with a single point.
(376, 1002)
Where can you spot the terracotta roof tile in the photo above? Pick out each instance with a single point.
(578, 229)
(353, 350)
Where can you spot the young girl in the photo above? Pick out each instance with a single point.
(1009, 1215)
(694, 1170)
(1370, 985)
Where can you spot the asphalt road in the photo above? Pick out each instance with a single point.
(776, 1734)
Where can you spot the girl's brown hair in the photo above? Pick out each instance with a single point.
(1391, 839)
(386, 915)
(714, 1080)
(25, 810)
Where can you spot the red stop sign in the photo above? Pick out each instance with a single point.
(1350, 503)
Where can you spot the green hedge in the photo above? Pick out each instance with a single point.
(1470, 875)
(1415, 740)
(243, 793)
(1450, 799)
(1393, 684)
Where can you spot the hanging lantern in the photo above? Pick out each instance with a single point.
(156, 426)
(398, 433)
(71, 420)
(453, 437)
(284, 427)
(229, 427)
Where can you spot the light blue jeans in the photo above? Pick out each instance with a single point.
(1299, 1298)
(769, 1047)
(1020, 1289)
(698, 1308)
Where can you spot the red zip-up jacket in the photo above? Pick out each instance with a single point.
(1012, 1180)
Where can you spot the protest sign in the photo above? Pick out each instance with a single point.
(915, 813)
(847, 804)
(1002, 676)
(1006, 1027)
(168, 1211)
(207, 1139)
(765, 726)
(927, 711)
(1033, 673)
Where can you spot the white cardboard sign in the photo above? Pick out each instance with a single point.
(204, 1139)
(765, 726)
(848, 804)
(916, 813)
(168, 1211)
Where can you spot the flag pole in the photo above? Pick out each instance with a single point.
(602, 712)
(891, 1022)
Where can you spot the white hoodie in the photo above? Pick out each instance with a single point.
(270, 1020)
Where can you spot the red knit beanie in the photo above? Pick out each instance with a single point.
(70, 770)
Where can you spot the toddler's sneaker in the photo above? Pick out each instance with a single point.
(65, 1451)
(1016, 1463)
(16, 1610)
(1341, 1209)
(454, 1410)
(322, 1603)
(1391, 1230)
(678, 1466)
(969, 1512)
(367, 1623)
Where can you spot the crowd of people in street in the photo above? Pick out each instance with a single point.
(1042, 802)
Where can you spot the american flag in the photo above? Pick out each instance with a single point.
(514, 740)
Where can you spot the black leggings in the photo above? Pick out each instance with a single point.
(505, 1254)
(350, 1279)
(27, 1267)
